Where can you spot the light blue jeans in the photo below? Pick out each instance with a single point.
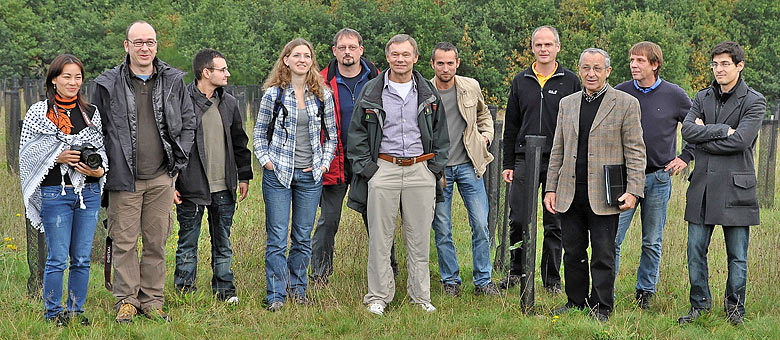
(284, 271)
(472, 190)
(69, 231)
(658, 190)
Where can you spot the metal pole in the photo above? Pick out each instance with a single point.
(533, 157)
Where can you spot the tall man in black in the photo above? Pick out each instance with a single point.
(532, 109)
(723, 123)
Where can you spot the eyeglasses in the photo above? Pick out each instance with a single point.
(724, 64)
(587, 69)
(352, 48)
(139, 43)
(224, 69)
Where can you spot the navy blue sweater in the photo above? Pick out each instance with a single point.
(662, 108)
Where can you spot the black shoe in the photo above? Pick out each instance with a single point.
(60, 320)
(509, 281)
(451, 289)
(490, 289)
(82, 320)
(599, 316)
(692, 315)
(736, 318)
(554, 289)
(184, 290)
(564, 309)
(643, 298)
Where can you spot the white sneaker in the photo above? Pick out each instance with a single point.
(376, 308)
(233, 300)
(427, 307)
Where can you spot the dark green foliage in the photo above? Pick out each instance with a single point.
(493, 36)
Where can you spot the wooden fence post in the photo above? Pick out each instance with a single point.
(13, 128)
(767, 159)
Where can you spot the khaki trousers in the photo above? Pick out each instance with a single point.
(391, 188)
(146, 212)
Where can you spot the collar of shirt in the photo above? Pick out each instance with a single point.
(588, 98)
(540, 77)
(647, 89)
(387, 81)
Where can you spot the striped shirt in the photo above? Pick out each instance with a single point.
(281, 151)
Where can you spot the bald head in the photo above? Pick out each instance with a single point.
(141, 45)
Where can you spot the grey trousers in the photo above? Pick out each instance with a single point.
(147, 212)
(414, 188)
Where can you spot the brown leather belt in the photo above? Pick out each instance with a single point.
(406, 161)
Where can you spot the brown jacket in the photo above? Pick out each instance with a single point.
(479, 122)
(615, 138)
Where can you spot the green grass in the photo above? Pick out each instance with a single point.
(338, 311)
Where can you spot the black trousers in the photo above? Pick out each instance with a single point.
(578, 224)
(519, 215)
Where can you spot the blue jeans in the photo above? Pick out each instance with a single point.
(658, 190)
(472, 190)
(288, 272)
(69, 231)
(220, 220)
(737, 239)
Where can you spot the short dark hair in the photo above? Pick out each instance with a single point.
(127, 30)
(444, 46)
(733, 49)
(204, 59)
(347, 32)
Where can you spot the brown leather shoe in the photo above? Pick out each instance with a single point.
(126, 313)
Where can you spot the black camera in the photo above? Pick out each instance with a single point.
(89, 155)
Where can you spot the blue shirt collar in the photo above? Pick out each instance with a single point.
(647, 89)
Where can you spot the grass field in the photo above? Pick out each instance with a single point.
(339, 313)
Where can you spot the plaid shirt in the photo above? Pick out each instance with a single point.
(282, 148)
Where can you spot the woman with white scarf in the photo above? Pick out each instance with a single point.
(61, 189)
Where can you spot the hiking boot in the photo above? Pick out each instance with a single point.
(157, 314)
(553, 289)
(735, 318)
(643, 298)
(275, 306)
(451, 289)
(692, 315)
(490, 289)
(126, 313)
(509, 281)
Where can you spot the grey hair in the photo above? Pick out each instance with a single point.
(552, 29)
(596, 50)
(400, 38)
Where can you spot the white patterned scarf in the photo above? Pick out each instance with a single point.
(40, 144)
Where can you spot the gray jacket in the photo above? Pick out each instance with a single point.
(173, 114)
(723, 181)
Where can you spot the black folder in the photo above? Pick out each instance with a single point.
(615, 180)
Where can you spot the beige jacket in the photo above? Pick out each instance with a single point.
(479, 122)
(614, 138)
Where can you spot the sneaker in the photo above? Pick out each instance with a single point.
(82, 320)
(451, 289)
(60, 320)
(509, 281)
(275, 306)
(692, 315)
(233, 300)
(643, 298)
(157, 314)
(376, 308)
(490, 289)
(427, 307)
(554, 289)
(126, 313)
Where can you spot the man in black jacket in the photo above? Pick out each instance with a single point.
(219, 160)
(149, 126)
(532, 109)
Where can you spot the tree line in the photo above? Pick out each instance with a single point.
(493, 36)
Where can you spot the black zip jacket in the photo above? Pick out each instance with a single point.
(173, 113)
(192, 183)
(532, 110)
